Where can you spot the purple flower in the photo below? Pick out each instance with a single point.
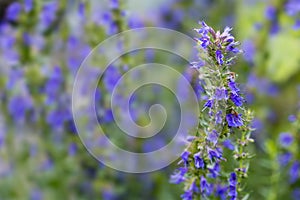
(219, 117)
(221, 93)
(292, 7)
(185, 157)
(297, 24)
(285, 139)
(187, 195)
(228, 144)
(48, 13)
(234, 120)
(232, 186)
(270, 13)
(194, 188)
(111, 77)
(72, 149)
(53, 84)
(13, 11)
(233, 179)
(198, 64)
(285, 158)
(36, 194)
(205, 42)
(292, 118)
(221, 192)
(199, 162)
(232, 86)
(294, 172)
(296, 194)
(219, 57)
(214, 172)
(28, 5)
(232, 48)
(18, 106)
(114, 4)
(275, 28)
(209, 103)
(214, 154)
(213, 137)
(204, 186)
(249, 48)
(178, 177)
(237, 99)
(81, 9)
(232, 193)
(56, 118)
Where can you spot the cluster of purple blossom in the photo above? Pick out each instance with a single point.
(224, 126)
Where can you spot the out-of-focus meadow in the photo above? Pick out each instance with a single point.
(43, 43)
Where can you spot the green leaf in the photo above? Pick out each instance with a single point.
(284, 60)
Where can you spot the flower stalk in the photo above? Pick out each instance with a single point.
(224, 129)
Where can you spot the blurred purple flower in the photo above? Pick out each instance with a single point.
(57, 117)
(47, 164)
(228, 144)
(114, 4)
(296, 194)
(219, 117)
(28, 5)
(297, 24)
(275, 28)
(221, 192)
(111, 77)
(285, 158)
(285, 139)
(292, 7)
(270, 13)
(76, 52)
(14, 76)
(48, 13)
(294, 172)
(292, 118)
(13, 11)
(249, 51)
(81, 9)
(262, 85)
(178, 177)
(135, 22)
(18, 106)
(72, 149)
(53, 84)
(36, 194)
(187, 195)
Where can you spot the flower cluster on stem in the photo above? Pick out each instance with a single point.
(216, 160)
